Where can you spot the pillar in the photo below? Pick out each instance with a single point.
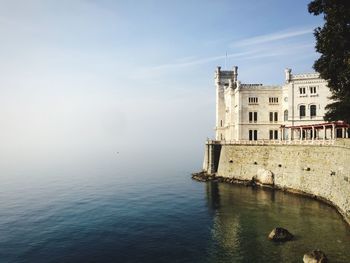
(281, 134)
(290, 134)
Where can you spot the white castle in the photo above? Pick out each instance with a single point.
(276, 136)
(294, 110)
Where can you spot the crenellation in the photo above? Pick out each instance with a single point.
(303, 76)
(244, 85)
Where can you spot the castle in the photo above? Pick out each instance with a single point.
(276, 136)
(258, 112)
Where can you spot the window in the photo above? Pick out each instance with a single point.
(221, 123)
(313, 111)
(253, 100)
(302, 90)
(273, 134)
(286, 115)
(313, 90)
(253, 116)
(273, 116)
(302, 111)
(253, 135)
(273, 100)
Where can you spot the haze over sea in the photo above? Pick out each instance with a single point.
(105, 107)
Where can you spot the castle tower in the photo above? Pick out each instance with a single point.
(220, 106)
(225, 83)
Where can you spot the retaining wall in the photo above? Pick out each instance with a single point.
(319, 171)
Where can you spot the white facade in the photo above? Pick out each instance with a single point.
(256, 111)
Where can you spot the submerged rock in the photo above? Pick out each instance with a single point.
(315, 256)
(251, 183)
(280, 234)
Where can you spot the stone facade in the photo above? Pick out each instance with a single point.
(251, 138)
(256, 111)
(318, 171)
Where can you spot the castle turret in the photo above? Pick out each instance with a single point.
(226, 82)
(220, 105)
(288, 74)
(235, 74)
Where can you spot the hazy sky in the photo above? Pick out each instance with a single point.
(87, 79)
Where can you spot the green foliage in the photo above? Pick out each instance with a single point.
(333, 43)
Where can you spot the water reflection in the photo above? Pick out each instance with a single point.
(225, 231)
(243, 217)
(213, 196)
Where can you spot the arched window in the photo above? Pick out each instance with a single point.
(313, 111)
(302, 111)
(286, 115)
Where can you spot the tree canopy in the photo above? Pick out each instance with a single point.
(333, 43)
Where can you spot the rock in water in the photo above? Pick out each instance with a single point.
(280, 234)
(315, 256)
(201, 177)
(264, 177)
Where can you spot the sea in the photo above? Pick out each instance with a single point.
(114, 212)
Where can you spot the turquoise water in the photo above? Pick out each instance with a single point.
(157, 216)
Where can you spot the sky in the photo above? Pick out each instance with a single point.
(83, 81)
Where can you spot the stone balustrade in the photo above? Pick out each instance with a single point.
(274, 142)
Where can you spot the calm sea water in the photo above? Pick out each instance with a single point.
(157, 215)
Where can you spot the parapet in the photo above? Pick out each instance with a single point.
(229, 76)
(254, 85)
(295, 77)
(304, 76)
(258, 86)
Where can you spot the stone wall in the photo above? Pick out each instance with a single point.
(211, 157)
(319, 171)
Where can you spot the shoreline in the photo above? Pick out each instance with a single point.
(205, 177)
